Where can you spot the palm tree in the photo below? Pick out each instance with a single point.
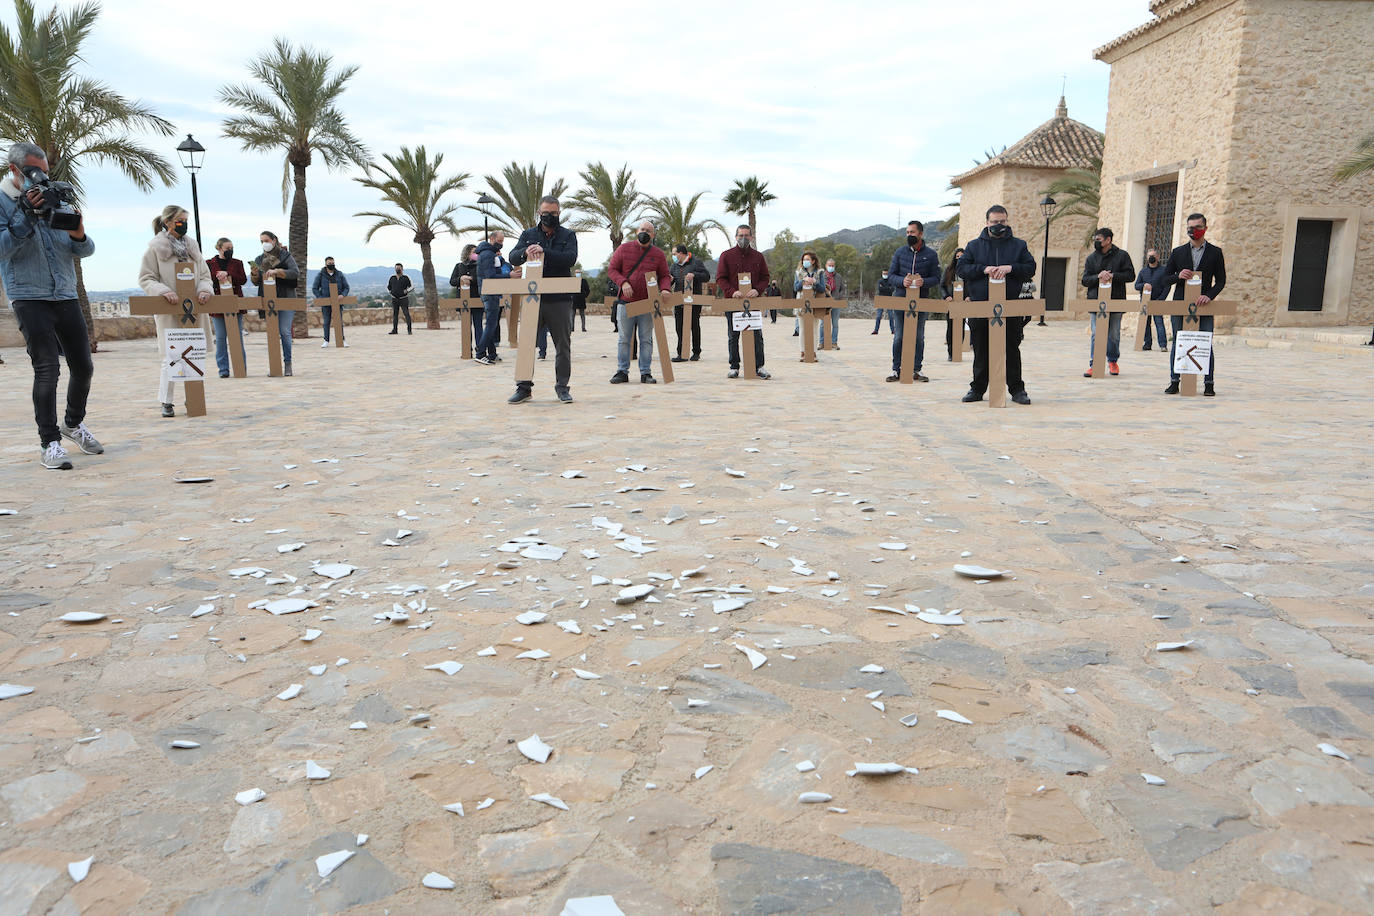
(1079, 193)
(676, 223)
(413, 187)
(607, 201)
(75, 119)
(1361, 161)
(950, 227)
(745, 198)
(295, 110)
(517, 198)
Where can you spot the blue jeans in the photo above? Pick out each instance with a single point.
(645, 325)
(1204, 323)
(891, 320)
(834, 326)
(222, 342)
(475, 316)
(1159, 331)
(898, 328)
(491, 327)
(284, 328)
(1113, 337)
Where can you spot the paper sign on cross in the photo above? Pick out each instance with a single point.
(337, 302)
(1101, 308)
(272, 304)
(997, 309)
(188, 312)
(654, 305)
(1191, 311)
(910, 308)
(465, 305)
(528, 290)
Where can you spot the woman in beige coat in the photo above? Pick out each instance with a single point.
(157, 276)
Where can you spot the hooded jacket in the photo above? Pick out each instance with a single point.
(489, 262)
(320, 288)
(986, 251)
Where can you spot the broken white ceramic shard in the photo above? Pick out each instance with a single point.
(530, 618)
(1152, 779)
(635, 592)
(456, 808)
(362, 839)
(944, 620)
(183, 745)
(876, 769)
(734, 473)
(288, 605)
(16, 512)
(535, 749)
(488, 652)
(10, 691)
(787, 486)
(449, 667)
(314, 771)
(1179, 559)
(82, 616)
(290, 693)
(872, 669)
(250, 796)
(879, 705)
(952, 716)
(193, 479)
(437, 881)
(1331, 750)
(550, 800)
(311, 635)
(202, 610)
(569, 475)
(536, 654)
(543, 552)
(726, 605)
(756, 658)
(359, 726)
(892, 545)
(317, 670)
(290, 548)
(1172, 646)
(326, 864)
(586, 675)
(79, 870)
(977, 572)
(702, 771)
(570, 626)
(806, 766)
(334, 570)
(908, 721)
(886, 609)
(813, 798)
(603, 905)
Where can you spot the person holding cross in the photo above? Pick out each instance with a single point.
(1201, 257)
(947, 290)
(490, 266)
(157, 276)
(1150, 281)
(627, 269)
(228, 276)
(743, 258)
(808, 269)
(276, 263)
(38, 270)
(915, 271)
(1107, 264)
(996, 254)
(687, 268)
(556, 247)
(331, 275)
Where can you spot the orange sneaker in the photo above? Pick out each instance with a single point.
(1113, 368)
(1089, 373)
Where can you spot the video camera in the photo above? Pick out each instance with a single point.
(56, 209)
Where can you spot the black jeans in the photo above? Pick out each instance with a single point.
(398, 306)
(978, 333)
(556, 317)
(52, 329)
(696, 328)
(734, 345)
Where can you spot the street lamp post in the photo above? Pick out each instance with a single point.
(1048, 206)
(485, 201)
(192, 158)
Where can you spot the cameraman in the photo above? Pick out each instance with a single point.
(38, 269)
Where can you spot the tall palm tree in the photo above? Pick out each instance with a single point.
(950, 243)
(677, 224)
(745, 198)
(607, 201)
(75, 119)
(295, 110)
(1079, 193)
(1361, 161)
(413, 187)
(517, 197)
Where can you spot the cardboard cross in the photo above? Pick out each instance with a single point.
(910, 307)
(528, 290)
(654, 305)
(270, 304)
(337, 302)
(233, 336)
(997, 309)
(811, 309)
(1191, 311)
(465, 305)
(1143, 321)
(747, 305)
(685, 300)
(189, 312)
(1103, 311)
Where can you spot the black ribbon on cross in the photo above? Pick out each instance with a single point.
(997, 313)
(271, 306)
(911, 307)
(658, 308)
(533, 294)
(1192, 313)
(188, 312)
(806, 305)
(1102, 309)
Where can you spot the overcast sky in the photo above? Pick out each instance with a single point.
(854, 115)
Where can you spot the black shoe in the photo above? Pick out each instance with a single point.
(679, 359)
(409, 331)
(542, 356)
(697, 356)
(1208, 391)
(168, 411)
(1147, 348)
(1021, 398)
(1172, 389)
(920, 378)
(734, 373)
(392, 331)
(796, 333)
(224, 375)
(647, 378)
(564, 395)
(894, 377)
(971, 397)
(521, 395)
(620, 378)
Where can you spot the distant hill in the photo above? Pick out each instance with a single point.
(870, 235)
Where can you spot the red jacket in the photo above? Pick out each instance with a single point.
(735, 261)
(235, 270)
(624, 259)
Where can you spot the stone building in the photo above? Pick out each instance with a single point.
(1017, 178)
(1242, 110)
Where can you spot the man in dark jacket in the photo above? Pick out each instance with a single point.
(914, 271)
(996, 254)
(1195, 256)
(399, 287)
(320, 290)
(1107, 264)
(743, 258)
(683, 265)
(490, 266)
(884, 289)
(1151, 280)
(556, 246)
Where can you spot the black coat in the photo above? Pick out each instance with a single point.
(399, 286)
(1212, 267)
(560, 255)
(465, 269)
(700, 273)
(1118, 262)
(986, 251)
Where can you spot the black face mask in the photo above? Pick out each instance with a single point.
(548, 220)
(999, 230)
(913, 240)
(228, 255)
(645, 238)
(1153, 261)
(179, 227)
(329, 267)
(398, 273)
(1098, 246)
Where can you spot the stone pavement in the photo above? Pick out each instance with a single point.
(597, 570)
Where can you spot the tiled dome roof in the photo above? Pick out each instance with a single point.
(1059, 143)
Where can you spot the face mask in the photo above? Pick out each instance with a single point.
(228, 255)
(179, 227)
(267, 246)
(913, 240)
(744, 243)
(1097, 246)
(644, 238)
(1153, 261)
(473, 256)
(398, 273)
(884, 276)
(807, 263)
(548, 220)
(999, 230)
(329, 267)
(1197, 232)
(830, 270)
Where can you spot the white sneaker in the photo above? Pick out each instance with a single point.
(83, 438)
(345, 343)
(325, 345)
(54, 457)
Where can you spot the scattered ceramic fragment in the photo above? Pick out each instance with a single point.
(570, 626)
(892, 545)
(586, 675)
(603, 905)
(872, 669)
(456, 808)
(535, 749)
(697, 704)
(290, 548)
(530, 618)
(437, 881)
(314, 771)
(359, 726)
(634, 592)
(726, 605)
(9, 512)
(202, 610)
(1179, 559)
(569, 475)
(952, 716)
(82, 616)
(1173, 646)
(485, 803)
(909, 721)
(1152, 779)
(250, 796)
(183, 745)
(879, 705)
(806, 766)
(449, 667)
(488, 652)
(977, 572)
(702, 771)
(334, 570)
(536, 654)
(191, 479)
(543, 552)
(311, 635)
(549, 800)
(288, 606)
(734, 473)
(756, 658)
(10, 691)
(290, 693)
(1331, 750)
(79, 870)
(327, 864)
(813, 798)
(876, 769)
(944, 620)
(317, 670)
(362, 839)
(886, 609)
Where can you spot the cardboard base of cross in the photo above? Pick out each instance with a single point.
(272, 304)
(997, 309)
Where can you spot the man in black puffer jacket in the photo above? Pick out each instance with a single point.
(997, 254)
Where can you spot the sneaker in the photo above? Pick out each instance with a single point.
(1088, 373)
(734, 373)
(921, 378)
(1113, 368)
(834, 346)
(564, 395)
(875, 333)
(894, 377)
(971, 397)
(1172, 389)
(647, 378)
(486, 361)
(521, 395)
(224, 375)
(286, 370)
(697, 356)
(325, 345)
(54, 457)
(542, 356)
(620, 378)
(796, 333)
(168, 411)
(764, 375)
(497, 359)
(1021, 398)
(1148, 347)
(1208, 391)
(345, 344)
(83, 438)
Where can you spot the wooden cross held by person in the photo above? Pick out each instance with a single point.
(997, 309)
(1098, 307)
(961, 341)
(685, 300)
(747, 306)
(528, 290)
(812, 310)
(910, 307)
(1191, 311)
(189, 309)
(654, 305)
(271, 304)
(1144, 320)
(336, 302)
(465, 304)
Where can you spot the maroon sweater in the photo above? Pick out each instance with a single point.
(654, 261)
(736, 261)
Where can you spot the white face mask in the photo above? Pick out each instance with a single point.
(267, 246)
